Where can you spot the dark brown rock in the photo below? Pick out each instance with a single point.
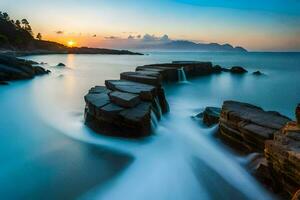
(247, 126)
(283, 155)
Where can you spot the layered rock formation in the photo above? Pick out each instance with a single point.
(12, 68)
(283, 156)
(252, 129)
(126, 107)
(247, 126)
(210, 115)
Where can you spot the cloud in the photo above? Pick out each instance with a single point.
(111, 38)
(153, 38)
(59, 32)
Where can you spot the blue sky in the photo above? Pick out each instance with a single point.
(272, 25)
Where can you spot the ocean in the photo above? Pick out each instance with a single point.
(47, 151)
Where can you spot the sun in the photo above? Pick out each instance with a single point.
(71, 43)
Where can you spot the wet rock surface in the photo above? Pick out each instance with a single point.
(12, 68)
(257, 73)
(210, 116)
(283, 156)
(251, 129)
(126, 107)
(247, 126)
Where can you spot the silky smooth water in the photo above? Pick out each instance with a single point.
(182, 160)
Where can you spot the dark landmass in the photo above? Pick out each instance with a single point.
(16, 38)
(12, 68)
(183, 45)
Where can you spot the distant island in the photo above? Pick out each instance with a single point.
(17, 37)
(185, 45)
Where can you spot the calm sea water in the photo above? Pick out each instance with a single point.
(47, 152)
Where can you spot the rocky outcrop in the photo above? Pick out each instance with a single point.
(247, 127)
(60, 65)
(238, 70)
(126, 107)
(12, 68)
(283, 155)
(210, 116)
(257, 73)
(252, 129)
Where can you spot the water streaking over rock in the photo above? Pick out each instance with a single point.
(181, 160)
(181, 75)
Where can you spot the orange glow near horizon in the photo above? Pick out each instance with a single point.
(71, 43)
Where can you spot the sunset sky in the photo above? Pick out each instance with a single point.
(259, 25)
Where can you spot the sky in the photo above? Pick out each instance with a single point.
(257, 25)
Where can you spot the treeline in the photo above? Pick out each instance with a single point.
(15, 33)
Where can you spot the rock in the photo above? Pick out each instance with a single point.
(143, 77)
(12, 68)
(217, 69)
(106, 117)
(283, 155)
(238, 70)
(40, 71)
(60, 65)
(247, 127)
(123, 99)
(296, 195)
(146, 92)
(257, 73)
(210, 115)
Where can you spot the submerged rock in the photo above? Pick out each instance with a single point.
(247, 127)
(257, 73)
(238, 70)
(210, 115)
(60, 65)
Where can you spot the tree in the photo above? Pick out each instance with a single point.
(18, 24)
(5, 16)
(39, 36)
(26, 26)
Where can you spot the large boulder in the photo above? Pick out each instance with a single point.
(116, 113)
(283, 155)
(247, 127)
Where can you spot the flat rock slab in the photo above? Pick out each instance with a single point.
(249, 126)
(141, 78)
(146, 92)
(124, 99)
